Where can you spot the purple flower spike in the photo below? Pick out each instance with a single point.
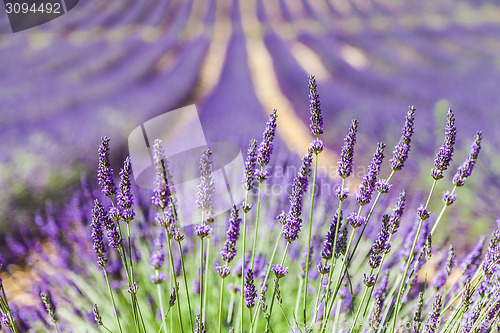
(327, 252)
(432, 324)
(445, 153)
(161, 191)
(223, 271)
(97, 315)
(98, 234)
(355, 220)
(250, 162)
(369, 281)
(158, 255)
(315, 108)
(279, 270)
(490, 262)
(233, 232)
(449, 198)
(317, 146)
(266, 146)
(292, 228)
(367, 185)
(380, 295)
(402, 149)
(206, 187)
(347, 155)
(104, 171)
(471, 262)
(125, 198)
(249, 292)
(397, 212)
(202, 230)
(465, 170)
(423, 213)
(200, 327)
(341, 193)
(49, 305)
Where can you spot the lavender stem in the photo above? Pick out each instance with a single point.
(243, 253)
(257, 220)
(112, 299)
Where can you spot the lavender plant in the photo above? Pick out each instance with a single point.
(362, 256)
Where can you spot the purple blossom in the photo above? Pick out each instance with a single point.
(104, 171)
(355, 220)
(317, 146)
(292, 228)
(323, 269)
(465, 170)
(397, 212)
(249, 291)
(161, 187)
(202, 230)
(423, 213)
(158, 254)
(341, 193)
(347, 156)
(369, 281)
(492, 256)
(233, 231)
(223, 271)
(378, 305)
(266, 146)
(250, 162)
(279, 270)
(125, 198)
(173, 295)
(381, 244)
(417, 317)
(445, 153)
(327, 252)
(206, 187)
(449, 198)
(341, 243)
(383, 186)
(367, 185)
(97, 233)
(49, 305)
(200, 327)
(402, 149)
(432, 323)
(315, 108)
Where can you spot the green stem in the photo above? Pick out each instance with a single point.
(176, 287)
(220, 303)
(57, 328)
(309, 237)
(297, 301)
(162, 308)
(207, 274)
(257, 221)
(354, 329)
(230, 308)
(201, 280)
(274, 290)
(243, 252)
(112, 299)
(409, 260)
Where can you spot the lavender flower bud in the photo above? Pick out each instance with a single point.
(206, 187)
(432, 323)
(104, 171)
(417, 318)
(423, 213)
(125, 198)
(158, 255)
(465, 170)
(97, 315)
(200, 327)
(246, 207)
(279, 270)
(381, 244)
(355, 220)
(367, 186)
(383, 186)
(266, 146)
(157, 277)
(380, 294)
(402, 149)
(428, 247)
(292, 228)
(341, 243)
(341, 193)
(317, 146)
(492, 257)
(202, 230)
(49, 306)
(369, 281)
(177, 235)
(132, 289)
(161, 188)
(173, 295)
(323, 269)
(315, 108)
(261, 175)
(114, 236)
(347, 155)
(449, 198)
(223, 271)
(445, 153)
(328, 243)
(249, 292)
(281, 218)
(397, 212)
(233, 232)
(467, 296)
(98, 234)
(250, 162)
(278, 291)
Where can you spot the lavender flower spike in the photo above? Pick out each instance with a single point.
(206, 187)
(397, 212)
(104, 171)
(379, 295)
(315, 108)
(250, 292)
(445, 153)
(432, 323)
(97, 315)
(367, 185)
(266, 146)
(347, 155)
(250, 162)
(49, 305)
(465, 170)
(279, 270)
(233, 232)
(158, 258)
(125, 198)
(161, 190)
(492, 257)
(402, 149)
(98, 234)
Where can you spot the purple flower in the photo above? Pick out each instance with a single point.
(465, 170)
(249, 291)
(161, 189)
(200, 328)
(233, 232)
(317, 146)
(97, 233)
(327, 252)
(292, 228)
(266, 146)
(173, 295)
(432, 323)
(323, 269)
(104, 171)
(383, 186)
(355, 220)
(315, 108)
(158, 254)
(402, 149)
(397, 212)
(445, 153)
(417, 317)
(206, 187)
(381, 244)
(223, 271)
(492, 257)
(423, 213)
(157, 278)
(97, 315)
(341, 193)
(125, 198)
(378, 305)
(369, 281)
(341, 243)
(367, 185)
(49, 305)
(2, 261)
(449, 198)
(347, 155)
(444, 273)
(279, 270)
(202, 230)
(250, 162)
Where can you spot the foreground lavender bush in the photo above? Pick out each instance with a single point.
(361, 264)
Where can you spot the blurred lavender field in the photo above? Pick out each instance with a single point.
(108, 66)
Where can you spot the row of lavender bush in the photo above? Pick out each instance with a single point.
(278, 268)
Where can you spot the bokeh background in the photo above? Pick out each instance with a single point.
(107, 66)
